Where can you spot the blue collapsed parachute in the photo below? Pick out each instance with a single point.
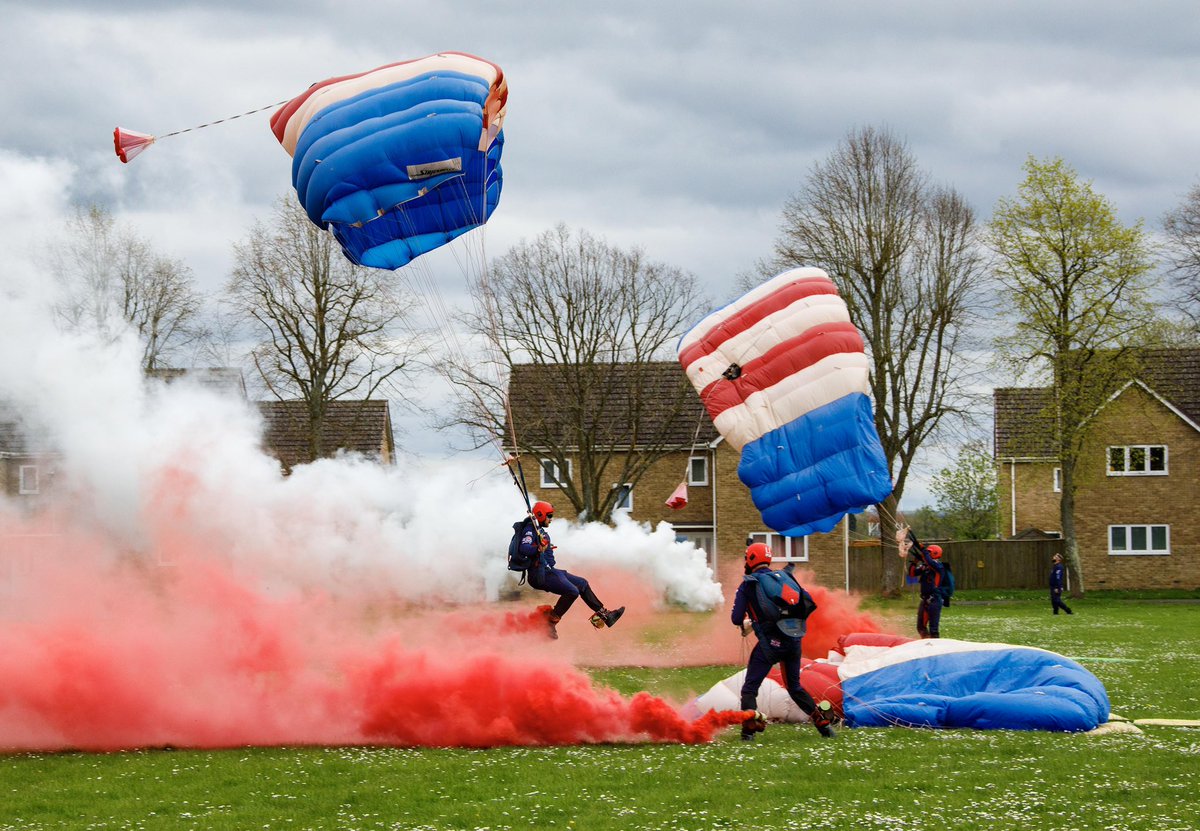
(783, 374)
(399, 160)
(885, 681)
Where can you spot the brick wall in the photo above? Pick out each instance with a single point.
(1137, 418)
(1037, 504)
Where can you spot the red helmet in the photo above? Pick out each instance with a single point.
(758, 554)
(543, 511)
(935, 551)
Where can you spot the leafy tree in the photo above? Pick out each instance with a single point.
(905, 256)
(966, 494)
(1075, 281)
(326, 327)
(112, 278)
(577, 330)
(928, 523)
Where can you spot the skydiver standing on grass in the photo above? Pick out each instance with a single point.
(778, 639)
(925, 566)
(535, 545)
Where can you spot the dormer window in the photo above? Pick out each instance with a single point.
(1138, 460)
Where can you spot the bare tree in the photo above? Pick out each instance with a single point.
(111, 277)
(580, 328)
(1182, 226)
(1076, 282)
(326, 328)
(905, 257)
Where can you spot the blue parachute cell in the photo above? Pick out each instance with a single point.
(949, 683)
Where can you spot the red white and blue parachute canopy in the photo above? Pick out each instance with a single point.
(783, 374)
(988, 686)
(401, 159)
(876, 680)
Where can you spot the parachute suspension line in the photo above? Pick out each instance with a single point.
(485, 307)
(439, 313)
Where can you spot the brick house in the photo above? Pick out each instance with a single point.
(363, 427)
(719, 516)
(355, 426)
(1137, 482)
(27, 463)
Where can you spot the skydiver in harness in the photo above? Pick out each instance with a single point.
(534, 544)
(925, 565)
(778, 643)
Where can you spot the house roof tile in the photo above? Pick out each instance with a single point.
(356, 426)
(1024, 429)
(652, 401)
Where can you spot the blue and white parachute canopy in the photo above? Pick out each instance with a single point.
(941, 682)
(399, 160)
(875, 680)
(783, 374)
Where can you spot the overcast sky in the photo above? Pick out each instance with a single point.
(679, 127)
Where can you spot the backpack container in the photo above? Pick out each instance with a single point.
(517, 559)
(783, 601)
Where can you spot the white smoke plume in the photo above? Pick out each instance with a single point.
(147, 464)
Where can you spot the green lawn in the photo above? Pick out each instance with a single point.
(1146, 652)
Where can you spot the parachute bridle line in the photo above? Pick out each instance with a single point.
(223, 120)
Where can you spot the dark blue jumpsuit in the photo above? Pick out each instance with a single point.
(930, 572)
(773, 647)
(1057, 584)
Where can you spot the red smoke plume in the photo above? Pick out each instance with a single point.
(103, 649)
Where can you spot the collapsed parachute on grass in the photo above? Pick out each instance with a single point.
(399, 160)
(876, 680)
(783, 374)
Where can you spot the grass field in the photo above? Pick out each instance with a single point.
(1145, 650)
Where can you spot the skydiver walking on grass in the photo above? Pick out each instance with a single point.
(1057, 584)
(778, 639)
(535, 545)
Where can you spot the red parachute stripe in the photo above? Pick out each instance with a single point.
(784, 360)
(779, 299)
(495, 103)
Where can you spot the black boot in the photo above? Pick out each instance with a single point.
(551, 622)
(822, 719)
(604, 617)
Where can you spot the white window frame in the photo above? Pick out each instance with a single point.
(625, 505)
(1148, 529)
(24, 473)
(702, 479)
(1127, 452)
(556, 482)
(1057, 483)
(783, 549)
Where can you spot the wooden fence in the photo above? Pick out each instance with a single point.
(977, 564)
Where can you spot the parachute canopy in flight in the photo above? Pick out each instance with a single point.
(783, 374)
(883, 681)
(399, 160)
